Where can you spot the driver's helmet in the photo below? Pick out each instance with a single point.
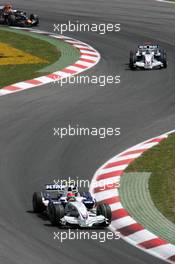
(71, 197)
(148, 51)
(7, 7)
(74, 189)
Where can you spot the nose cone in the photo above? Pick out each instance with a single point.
(148, 59)
(85, 216)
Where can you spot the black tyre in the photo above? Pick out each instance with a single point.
(105, 210)
(56, 212)
(38, 206)
(34, 18)
(11, 20)
(163, 58)
(132, 60)
(90, 202)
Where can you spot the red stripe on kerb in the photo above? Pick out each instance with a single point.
(12, 88)
(134, 152)
(87, 54)
(87, 60)
(155, 140)
(109, 175)
(34, 82)
(112, 200)
(120, 213)
(53, 76)
(118, 163)
(88, 49)
(153, 243)
(80, 66)
(106, 187)
(131, 229)
(69, 71)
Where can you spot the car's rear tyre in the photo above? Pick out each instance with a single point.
(38, 206)
(105, 210)
(11, 20)
(163, 58)
(132, 60)
(55, 212)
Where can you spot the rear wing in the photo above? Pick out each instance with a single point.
(144, 47)
(52, 187)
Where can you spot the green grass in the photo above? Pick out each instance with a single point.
(14, 73)
(160, 161)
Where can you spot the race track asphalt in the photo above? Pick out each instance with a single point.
(143, 105)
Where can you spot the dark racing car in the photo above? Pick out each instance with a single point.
(11, 17)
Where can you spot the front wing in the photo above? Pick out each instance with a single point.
(89, 222)
(153, 65)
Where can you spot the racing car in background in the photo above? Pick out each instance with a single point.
(65, 206)
(11, 17)
(148, 57)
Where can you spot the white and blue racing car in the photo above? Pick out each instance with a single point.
(65, 206)
(148, 57)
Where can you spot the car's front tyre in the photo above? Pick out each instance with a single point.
(35, 18)
(55, 212)
(163, 58)
(105, 210)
